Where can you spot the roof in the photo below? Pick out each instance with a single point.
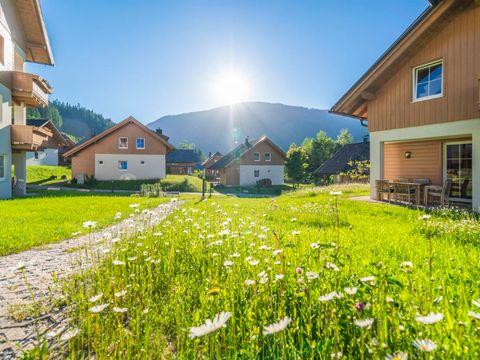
(99, 137)
(37, 122)
(354, 101)
(241, 150)
(47, 123)
(211, 158)
(183, 156)
(38, 47)
(338, 163)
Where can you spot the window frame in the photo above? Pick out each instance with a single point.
(120, 166)
(269, 156)
(136, 143)
(254, 156)
(3, 161)
(120, 142)
(415, 71)
(255, 171)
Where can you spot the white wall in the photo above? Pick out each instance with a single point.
(154, 167)
(454, 129)
(272, 172)
(46, 157)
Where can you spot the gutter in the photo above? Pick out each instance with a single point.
(361, 118)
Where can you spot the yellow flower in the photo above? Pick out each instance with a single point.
(214, 291)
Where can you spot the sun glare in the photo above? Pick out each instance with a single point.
(230, 87)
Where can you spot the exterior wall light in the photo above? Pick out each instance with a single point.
(408, 154)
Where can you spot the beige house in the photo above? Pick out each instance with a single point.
(23, 38)
(126, 151)
(422, 104)
(251, 162)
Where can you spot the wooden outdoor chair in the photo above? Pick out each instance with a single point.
(404, 191)
(383, 187)
(440, 192)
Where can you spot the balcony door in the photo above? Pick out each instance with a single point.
(457, 168)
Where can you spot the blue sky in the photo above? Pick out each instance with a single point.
(150, 58)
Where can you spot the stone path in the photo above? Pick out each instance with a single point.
(41, 268)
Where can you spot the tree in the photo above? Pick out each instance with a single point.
(296, 164)
(344, 137)
(319, 149)
(186, 145)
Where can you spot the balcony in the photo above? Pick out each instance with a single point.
(29, 138)
(29, 89)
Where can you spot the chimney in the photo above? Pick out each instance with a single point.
(246, 141)
(209, 154)
(365, 138)
(159, 131)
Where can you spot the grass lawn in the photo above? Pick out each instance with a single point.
(253, 190)
(334, 277)
(54, 216)
(47, 175)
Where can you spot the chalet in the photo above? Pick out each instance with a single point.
(341, 162)
(49, 155)
(126, 151)
(211, 174)
(182, 161)
(421, 100)
(251, 162)
(23, 38)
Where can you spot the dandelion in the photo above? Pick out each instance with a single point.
(277, 327)
(474, 315)
(121, 293)
(218, 322)
(397, 356)
(351, 291)
(249, 282)
(425, 345)
(364, 323)
(89, 224)
(98, 309)
(119, 310)
(95, 298)
(429, 319)
(118, 262)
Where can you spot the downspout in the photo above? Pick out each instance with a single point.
(362, 122)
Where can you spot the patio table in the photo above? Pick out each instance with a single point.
(408, 186)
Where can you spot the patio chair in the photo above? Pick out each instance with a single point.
(383, 187)
(404, 180)
(440, 192)
(404, 191)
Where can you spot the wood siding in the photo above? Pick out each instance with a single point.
(83, 162)
(458, 44)
(230, 176)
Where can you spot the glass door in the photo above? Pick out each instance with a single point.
(458, 169)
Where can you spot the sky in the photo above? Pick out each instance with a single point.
(150, 58)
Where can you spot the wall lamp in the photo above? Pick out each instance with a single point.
(408, 154)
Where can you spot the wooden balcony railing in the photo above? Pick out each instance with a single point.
(30, 138)
(29, 89)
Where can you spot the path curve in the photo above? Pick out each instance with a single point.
(42, 266)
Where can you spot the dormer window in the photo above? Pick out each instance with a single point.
(123, 143)
(256, 156)
(428, 81)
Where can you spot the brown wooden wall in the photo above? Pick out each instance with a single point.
(277, 158)
(84, 161)
(458, 43)
(425, 161)
(230, 176)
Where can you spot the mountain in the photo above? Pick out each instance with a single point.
(221, 128)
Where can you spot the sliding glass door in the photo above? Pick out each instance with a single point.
(458, 169)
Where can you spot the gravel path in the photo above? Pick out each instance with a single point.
(40, 268)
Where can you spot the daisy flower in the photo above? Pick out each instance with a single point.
(335, 193)
(474, 315)
(330, 296)
(429, 319)
(351, 291)
(121, 293)
(227, 263)
(118, 262)
(315, 245)
(218, 322)
(98, 309)
(311, 275)
(424, 217)
(476, 303)
(119, 310)
(397, 356)
(95, 298)
(249, 282)
(254, 262)
(424, 345)
(89, 224)
(277, 327)
(364, 322)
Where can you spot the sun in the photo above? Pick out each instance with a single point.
(230, 87)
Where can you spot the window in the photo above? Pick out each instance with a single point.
(35, 155)
(140, 143)
(256, 156)
(123, 143)
(123, 165)
(428, 81)
(268, 157)
(256, 173)
(2, 167)
(142, 162)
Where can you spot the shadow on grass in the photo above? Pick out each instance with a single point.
(253, 191)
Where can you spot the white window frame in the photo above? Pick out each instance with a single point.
(120, 142)
(255, 171)
(3, 158)
(119, 165)
(415, 71)
(254, 155)
(269, 156)
(136, 143)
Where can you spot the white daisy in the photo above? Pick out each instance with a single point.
(424, 217)
(335, 193)
(121, 293)
(332, 266)
(227, 263)
(119, 310)
(476, 303)
(133, 206)
(277, 327)
(364, 322)
(218, 322)
(351, 291)
(315, 245)
(424, 345)
(329, 296)
(118, 262)
(279, 277)
(89, 224)
(295, 233)
(474, 315)
(95, 298)
(98, 309)
(397, 356)
(249, 282)
(366, 279)
(254, 262)
(429, 319)
(311, 275)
